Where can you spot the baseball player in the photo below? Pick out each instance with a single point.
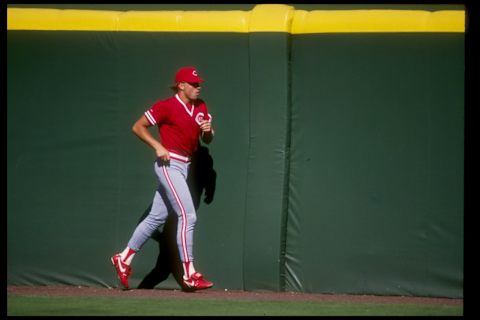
(182, 120)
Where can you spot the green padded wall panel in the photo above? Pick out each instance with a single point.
(376, 192)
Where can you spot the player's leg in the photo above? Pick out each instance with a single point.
(157, 216)
(167, 255)
(174, 180)
(143, 231)
(176, 189)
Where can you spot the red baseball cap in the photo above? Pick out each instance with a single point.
(187, 74)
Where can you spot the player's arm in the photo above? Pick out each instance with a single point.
(140, 129)
(207, 131)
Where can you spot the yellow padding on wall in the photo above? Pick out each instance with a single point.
(57, 19)
(184, 21)
(262, 18)
(267, 18)
(378, 21)
(153, 21)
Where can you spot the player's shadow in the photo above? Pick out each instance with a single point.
(201, 181)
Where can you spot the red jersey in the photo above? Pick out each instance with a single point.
(178, 123)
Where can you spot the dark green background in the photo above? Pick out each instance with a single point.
(339, 158)
(376, 178)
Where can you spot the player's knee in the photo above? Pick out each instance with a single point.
(191, 218)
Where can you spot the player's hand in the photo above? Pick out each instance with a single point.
(206, 126)
(162, 154)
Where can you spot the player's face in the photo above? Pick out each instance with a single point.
(192, 90)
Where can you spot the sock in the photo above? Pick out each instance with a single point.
(188, 269)
(127, 255)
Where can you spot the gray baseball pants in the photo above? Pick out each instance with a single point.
(172, 192)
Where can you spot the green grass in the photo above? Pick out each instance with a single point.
(98, 306)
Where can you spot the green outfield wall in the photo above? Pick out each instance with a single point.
(339, 147)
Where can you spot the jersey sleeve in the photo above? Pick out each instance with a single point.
(156, 113)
